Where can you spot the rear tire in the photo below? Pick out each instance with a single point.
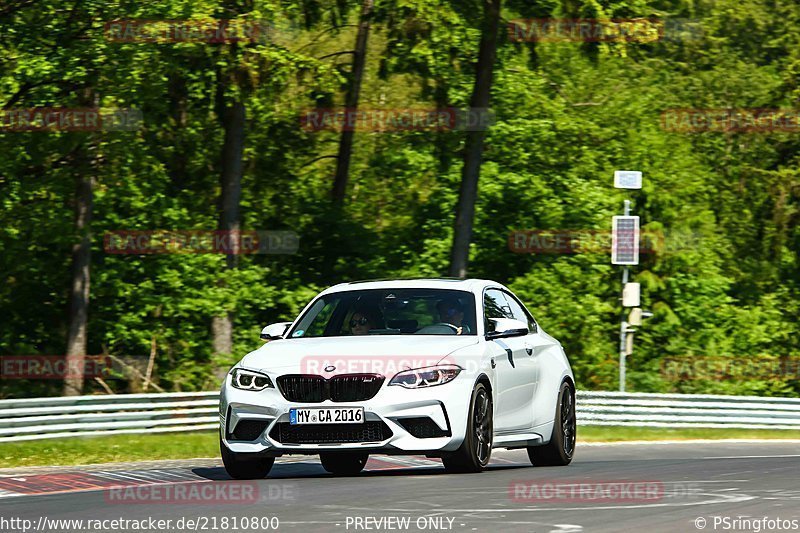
(344, 464)
(474, 453)
(561, 448)
(240, 466)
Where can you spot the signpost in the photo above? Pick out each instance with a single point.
(628, 179)
(625, 251)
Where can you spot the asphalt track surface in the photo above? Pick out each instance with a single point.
(609, 487)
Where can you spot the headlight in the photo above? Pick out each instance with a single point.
(430, 376)
(249, 380)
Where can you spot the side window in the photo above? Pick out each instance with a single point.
(520, 313)
(494, 306)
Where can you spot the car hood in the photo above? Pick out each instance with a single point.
(376, 353)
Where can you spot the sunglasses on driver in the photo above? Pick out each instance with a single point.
(363, 321)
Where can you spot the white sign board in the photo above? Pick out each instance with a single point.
(631, 295)
(625, 240)
(628, 179)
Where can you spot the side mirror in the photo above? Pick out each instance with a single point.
(506, 327)
(275, 331)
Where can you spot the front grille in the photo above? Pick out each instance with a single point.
(423, 427)
(297, 388)
(316, 389)
(374, 431)
(249, 429)
(354, 387)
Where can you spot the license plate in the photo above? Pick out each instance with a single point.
(327, 415)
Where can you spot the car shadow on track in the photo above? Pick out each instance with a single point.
(315, 470)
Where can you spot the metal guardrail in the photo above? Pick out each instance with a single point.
(72, 416)
(687, 410)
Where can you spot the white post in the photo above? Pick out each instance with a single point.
(623, 327)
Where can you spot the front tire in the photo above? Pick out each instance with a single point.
(474, 453)
(240, 466)
(561, 448)
(344, 464)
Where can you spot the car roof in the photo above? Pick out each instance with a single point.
(470, 285)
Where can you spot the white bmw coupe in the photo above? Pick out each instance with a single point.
(437, 367)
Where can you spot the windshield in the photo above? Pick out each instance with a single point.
(389, 312)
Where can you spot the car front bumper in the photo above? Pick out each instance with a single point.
(446, 405)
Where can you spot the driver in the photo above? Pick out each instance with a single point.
(451, 311)
(360, 324)
(363, 320)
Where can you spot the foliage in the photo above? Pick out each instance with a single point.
(724, 281)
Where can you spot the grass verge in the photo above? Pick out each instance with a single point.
(623, 433)
(117, 448)
(109, 449)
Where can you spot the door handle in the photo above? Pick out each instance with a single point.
(529, 348)
(493, 363)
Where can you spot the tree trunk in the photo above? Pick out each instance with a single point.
(86, 164)
(351, 103)
(231, 178)
(473, 149)
(233, 122)
(79, 284)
